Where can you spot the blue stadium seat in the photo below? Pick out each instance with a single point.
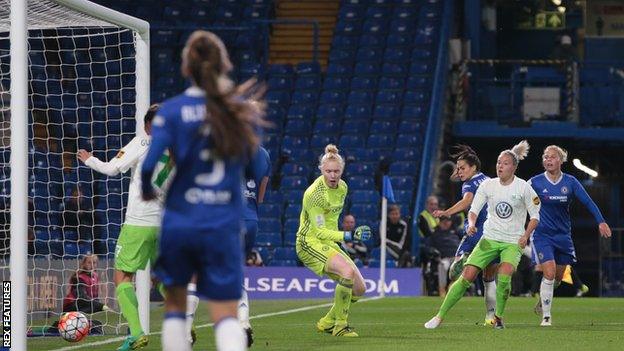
(414, 112)
(274, 197)
(404, 168)
(365, 97)
(360, 183)
(308, 83)
(420, 67)
(384, 126)
(396, 55)
(388, 111)
(265, 252)
(403, 196)
(372, 40)
(394, 69)
(406, 153)
(291, 225)
(306, 111)
(280, 83)
(391, 83)
(281, 70)
(296, 169)
(337, 83)
(389, 96)
(291, 142)
(326, 126)
(361, 168)
(298, 127)
(290, 238)
(329, 111)
(335, 70)
(308, 68)
(341, 56)
(375, 26)
(416, 97)
(294, 182)
(269, 240)
(374, 263)
(409, 140)
(285, 253)
(319, 141)
(333, 96)
(364, 210)
(403, 182)
(380, 141)
(269, 225)
(378, 12)
(282, 263)
(369, 54)
(293, 210)
(421, 54)
(305, 97)
(346, 42)
(347, 28)
(364, 83)
(269, 210)
(411, 126)
(352, 141)
(358, 127)
(365, 196)
(367, 68)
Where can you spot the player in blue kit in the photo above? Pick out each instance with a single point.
(210, 130)
(552, 244)
(469, 171)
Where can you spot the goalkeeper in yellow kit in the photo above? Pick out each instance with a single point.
(316, 241)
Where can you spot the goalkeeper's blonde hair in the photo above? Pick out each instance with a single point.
(518, 153)
(331, 154)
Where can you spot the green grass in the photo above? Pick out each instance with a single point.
(397, 324)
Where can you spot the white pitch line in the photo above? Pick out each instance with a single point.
(279, 313)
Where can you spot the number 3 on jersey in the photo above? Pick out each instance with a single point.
(218, 170)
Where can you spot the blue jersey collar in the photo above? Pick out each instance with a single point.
(551, 182)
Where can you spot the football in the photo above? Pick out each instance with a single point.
(73, 326)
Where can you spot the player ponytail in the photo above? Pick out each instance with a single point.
(563, 154)
(467, 154)
(331, 154)
(232, 115)
(518, 152)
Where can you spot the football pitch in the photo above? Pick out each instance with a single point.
(397, 324)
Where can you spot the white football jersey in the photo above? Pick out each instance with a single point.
(507, 208)
(139, 212)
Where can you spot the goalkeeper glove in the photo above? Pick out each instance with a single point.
(361, 233)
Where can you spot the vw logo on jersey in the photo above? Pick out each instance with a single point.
(564, 190)
(504, 210)
(251, 184)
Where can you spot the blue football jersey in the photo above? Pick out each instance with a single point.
(471, 186)
(206, 192)
(258, 168)
(556, 198)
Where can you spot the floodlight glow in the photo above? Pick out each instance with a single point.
(561, 9)
(577, 163)
(556, 2)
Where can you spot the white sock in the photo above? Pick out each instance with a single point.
(243, 310)
(191, 306)
(489, 294)
(173, 332)
(546, 296)
(230, 335)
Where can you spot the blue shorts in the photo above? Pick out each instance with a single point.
(553, 247)
(215, 256)
(468, 243)
(251, 229)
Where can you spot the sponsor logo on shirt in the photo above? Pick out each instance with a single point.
(320, 220)
(558, 198)
(207, 196)
(120, 154)
(504, 210)
(536, 201)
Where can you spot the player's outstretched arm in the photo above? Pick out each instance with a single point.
(584, 197)
(459, 206)
(126, 158)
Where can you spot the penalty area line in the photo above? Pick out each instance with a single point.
(264, 315)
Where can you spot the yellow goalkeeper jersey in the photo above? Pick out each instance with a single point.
(322, 206)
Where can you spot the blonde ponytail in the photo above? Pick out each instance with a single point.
(518, 152)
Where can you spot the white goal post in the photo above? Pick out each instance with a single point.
(60, 17)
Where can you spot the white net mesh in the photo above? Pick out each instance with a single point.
(81, 96)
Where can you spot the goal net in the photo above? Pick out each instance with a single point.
(87, 84)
